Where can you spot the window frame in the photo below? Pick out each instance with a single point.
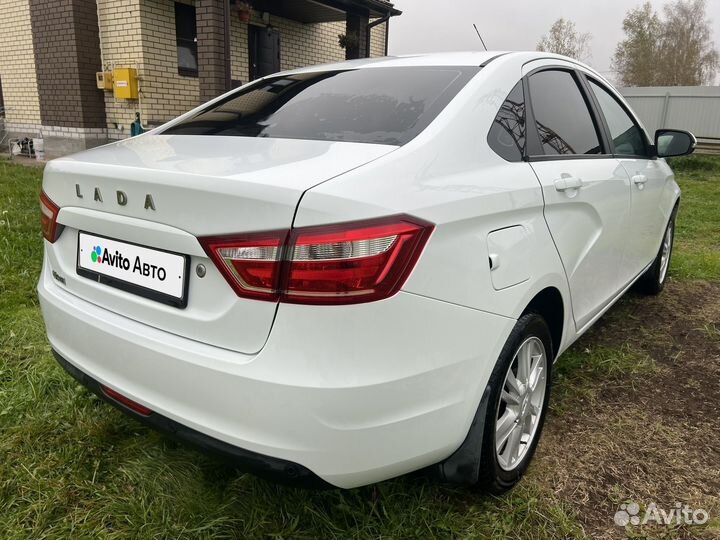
(533, 144)
(185, 71)
(649, 146)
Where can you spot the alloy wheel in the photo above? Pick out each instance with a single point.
(665, 254)
(521, 403)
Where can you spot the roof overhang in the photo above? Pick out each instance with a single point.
(317, 11)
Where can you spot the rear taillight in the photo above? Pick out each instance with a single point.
(337, 264)
(250, 263)
(355, 262)
(48, 218)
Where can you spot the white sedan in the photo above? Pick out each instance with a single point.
(344, 273)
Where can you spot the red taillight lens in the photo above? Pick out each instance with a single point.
(338, 264)
(48, 218)
(129, 403)
(354, 262)
(250, 263)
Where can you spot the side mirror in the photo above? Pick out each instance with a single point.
(674, 142)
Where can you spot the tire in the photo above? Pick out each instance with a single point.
(498, 471)
(652, 282)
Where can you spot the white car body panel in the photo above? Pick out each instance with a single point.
(355, 393)
(652, 202)
(588, 226)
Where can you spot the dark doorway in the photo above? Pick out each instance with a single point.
(264, 50)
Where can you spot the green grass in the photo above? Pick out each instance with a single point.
(702, 163)
(697, 240)
(71, 466)
(576, 378)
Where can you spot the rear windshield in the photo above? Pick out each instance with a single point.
(372, 105)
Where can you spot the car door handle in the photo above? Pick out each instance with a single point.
(639, 180)
(568, 182)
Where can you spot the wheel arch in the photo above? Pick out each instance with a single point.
(463, 466)
(549, 304)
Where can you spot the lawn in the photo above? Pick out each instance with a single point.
(634, 417)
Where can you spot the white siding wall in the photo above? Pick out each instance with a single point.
(694, 108)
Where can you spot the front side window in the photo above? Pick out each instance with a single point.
(507, 133)
(186, 39)
(627, 136)
(370, 105)
(562, 117)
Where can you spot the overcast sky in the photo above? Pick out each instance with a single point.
(437, 25)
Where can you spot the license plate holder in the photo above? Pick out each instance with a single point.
(134, 268)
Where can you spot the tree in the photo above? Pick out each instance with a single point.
(564, 39)
(637, 56)
(687, 50)
(676, 51)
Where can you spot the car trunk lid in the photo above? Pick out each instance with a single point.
(163, 192)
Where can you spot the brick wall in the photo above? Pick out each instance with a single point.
(307, 44)
(239, 68)
(121, 46)
(300, 44)
(67, 55)
(17, 66)
(211, 48)
(87, 44)
(165, 93)
(377, 40)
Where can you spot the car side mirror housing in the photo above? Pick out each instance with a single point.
(674, 142)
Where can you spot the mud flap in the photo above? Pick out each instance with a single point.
(463, 466)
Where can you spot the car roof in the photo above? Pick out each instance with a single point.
(460, 58)
(468, 58)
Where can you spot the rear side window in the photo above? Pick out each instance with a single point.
(371, 105)
(507, 134)
(562, 117)
(627, 136)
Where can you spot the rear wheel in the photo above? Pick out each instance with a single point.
(653, 280)
(520, 389)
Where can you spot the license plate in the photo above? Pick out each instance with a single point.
(149, 272)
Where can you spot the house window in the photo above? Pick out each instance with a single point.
(186, 38)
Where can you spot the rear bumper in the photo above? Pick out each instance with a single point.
(272, 468)
(350, 394)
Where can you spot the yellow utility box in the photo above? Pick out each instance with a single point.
(104, 80)
(125, 83)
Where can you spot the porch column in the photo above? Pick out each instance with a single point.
(355, 30)
(66, 45)
(213, 46)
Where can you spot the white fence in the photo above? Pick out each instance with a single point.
(694, 108)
